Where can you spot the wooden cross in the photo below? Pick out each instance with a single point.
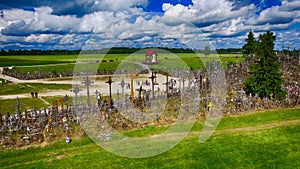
(109, 83)
(87, 82)
(167, 81)
(76, 90)
(140, 90)
(152, 77)
(132, 75)
(19, 105)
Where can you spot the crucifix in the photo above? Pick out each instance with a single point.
(109, 83)
(76, 90)
(18, 105)
(152, 77)
(87, 82)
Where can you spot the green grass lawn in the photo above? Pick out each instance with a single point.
(20, 88)
(228, 122)
(24, 88)
(112, 61)
(269, 148)
(9, 105)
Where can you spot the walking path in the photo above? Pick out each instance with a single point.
(98, 85)
(44, 100)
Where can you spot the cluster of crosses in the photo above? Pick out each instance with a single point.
(34, 122)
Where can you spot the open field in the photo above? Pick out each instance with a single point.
(9, 105)
(271, 143)
(110, 62)
(21, 88)
(27, 88)
(28, 60)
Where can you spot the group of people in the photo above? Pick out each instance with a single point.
(34, 94)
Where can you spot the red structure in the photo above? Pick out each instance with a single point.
(151, 57)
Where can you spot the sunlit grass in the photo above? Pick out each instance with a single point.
(268, 148)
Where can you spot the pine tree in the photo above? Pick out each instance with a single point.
(250, 47)
(265, 78)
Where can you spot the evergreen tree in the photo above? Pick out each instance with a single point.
(250, 47)
(265, 78)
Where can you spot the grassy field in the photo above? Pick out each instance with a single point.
(227, 122)
(24, 88)
(112, 61)
(20, 88)
(9, 105)
(276, 147)
(28, 60)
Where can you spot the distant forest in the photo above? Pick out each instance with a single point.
(115, 50)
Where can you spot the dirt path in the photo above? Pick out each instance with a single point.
(98, 85)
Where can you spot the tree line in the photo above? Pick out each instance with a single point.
(115, 50)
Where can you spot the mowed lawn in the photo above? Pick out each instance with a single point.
(109, 62)
(272, 146)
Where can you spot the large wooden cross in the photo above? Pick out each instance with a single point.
(76, 90)
(152, 77)
(87, 82)
(132, 75)
(109, 83)
(19, 105)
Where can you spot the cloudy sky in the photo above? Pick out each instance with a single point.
(76, 24)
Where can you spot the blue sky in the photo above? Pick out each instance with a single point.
(76, 24)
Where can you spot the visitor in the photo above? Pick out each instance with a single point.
(99, 99)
